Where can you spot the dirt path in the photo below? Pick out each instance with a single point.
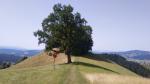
(73, 76)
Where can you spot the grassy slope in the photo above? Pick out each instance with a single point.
(40, 70)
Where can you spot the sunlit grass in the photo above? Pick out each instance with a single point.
(115, 79)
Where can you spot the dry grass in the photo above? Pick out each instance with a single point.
(115, 79)
(41, 60)
(37, 74)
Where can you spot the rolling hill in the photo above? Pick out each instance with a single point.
(40, 70)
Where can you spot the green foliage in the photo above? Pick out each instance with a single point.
(5, 65)
(22, 59)
(66, 30)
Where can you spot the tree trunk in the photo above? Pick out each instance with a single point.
(67, 52)
(69, 58)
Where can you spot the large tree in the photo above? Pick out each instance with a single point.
(67, 30)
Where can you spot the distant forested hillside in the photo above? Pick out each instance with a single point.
(131, 65)
(9, 58)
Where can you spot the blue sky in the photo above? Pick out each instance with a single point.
(117, 24)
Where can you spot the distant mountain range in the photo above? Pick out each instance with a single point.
(132, 54)
(19, 52)
(135, 54)
(13, 54)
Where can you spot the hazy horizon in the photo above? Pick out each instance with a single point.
(118, 25)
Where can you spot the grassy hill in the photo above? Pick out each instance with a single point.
(40, 70)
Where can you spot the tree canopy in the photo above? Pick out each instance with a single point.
(67, 30)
